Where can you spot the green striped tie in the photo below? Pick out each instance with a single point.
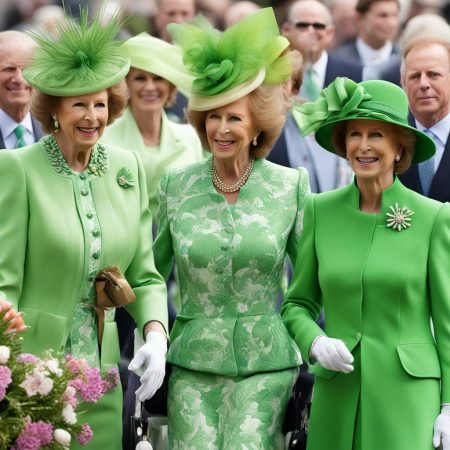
(20, 135)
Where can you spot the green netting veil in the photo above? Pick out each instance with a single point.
(228, 65)
(84, 59)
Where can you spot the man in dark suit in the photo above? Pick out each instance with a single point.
(17, 127)
(425, 77)
(310, 30)
(378, 23)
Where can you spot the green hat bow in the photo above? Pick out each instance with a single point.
(247, 54)
(346, 100)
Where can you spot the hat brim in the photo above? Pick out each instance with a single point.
(73, 89)
(425, 146)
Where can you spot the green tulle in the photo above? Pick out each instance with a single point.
(221, 61)
(84, 55)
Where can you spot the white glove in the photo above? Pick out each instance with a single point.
(149, 362)
(441, 435)
(332, 354)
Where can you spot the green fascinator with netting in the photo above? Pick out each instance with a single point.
(85, 58)
(228, 65)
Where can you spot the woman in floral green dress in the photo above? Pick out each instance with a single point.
(228, 223)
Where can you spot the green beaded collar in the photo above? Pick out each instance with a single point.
(98, 162)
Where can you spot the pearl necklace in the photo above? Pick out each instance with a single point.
(219, 184)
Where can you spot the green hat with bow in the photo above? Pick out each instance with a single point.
(228, 65)
(346, 100)
(85, 58)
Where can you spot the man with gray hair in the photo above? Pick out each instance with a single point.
(425, 77)
(17, 127)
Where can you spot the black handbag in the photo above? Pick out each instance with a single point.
(297, 411)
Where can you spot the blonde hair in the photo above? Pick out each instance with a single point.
(268, 109)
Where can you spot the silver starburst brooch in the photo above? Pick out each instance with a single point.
(125, 178)
(400, 218)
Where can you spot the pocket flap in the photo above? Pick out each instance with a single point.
(420, 360)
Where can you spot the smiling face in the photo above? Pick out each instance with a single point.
(372, 148)
(230, 130)
(148, 92)
(82, 120)
(426, 80)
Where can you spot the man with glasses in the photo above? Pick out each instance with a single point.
(310, 30)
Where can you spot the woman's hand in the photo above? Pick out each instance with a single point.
(332, 354)
(14, 318)
(441, 435)
(149, 363)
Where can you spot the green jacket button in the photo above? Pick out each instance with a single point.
(84, 192)
(96, 232)
(96, 255)
(89, 215)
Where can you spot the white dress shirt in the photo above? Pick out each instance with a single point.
(8, 125)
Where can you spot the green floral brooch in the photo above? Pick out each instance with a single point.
(125, 178)
(399, 219)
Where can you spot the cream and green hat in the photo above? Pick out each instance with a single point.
(160, 58)
(344, 100)
(85, 58)
(228, 65)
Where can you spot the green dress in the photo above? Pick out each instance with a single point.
(380, 290)
(234, 362)
(60, 229)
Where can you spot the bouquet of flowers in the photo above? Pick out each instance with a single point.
(40, 398)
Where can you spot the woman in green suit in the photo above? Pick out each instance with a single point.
(155, 74)
(375, 256)
(228, 223)
(70, 208)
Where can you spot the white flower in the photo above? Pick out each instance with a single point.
(4, 354)
(37, 383)
(69, 415)
(62, 437)
(53, 366)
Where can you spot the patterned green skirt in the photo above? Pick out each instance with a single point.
(208, 411)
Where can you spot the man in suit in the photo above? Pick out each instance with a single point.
(17, 127)
(425, 77)
(378, 24)
(310, 30)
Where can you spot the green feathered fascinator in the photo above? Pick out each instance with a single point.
(228, 65)
(85, 58)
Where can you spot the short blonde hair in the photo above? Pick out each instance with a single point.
(43, 105)
(406, 137)
(268, 109)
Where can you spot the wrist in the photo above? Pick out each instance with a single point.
(156, 338)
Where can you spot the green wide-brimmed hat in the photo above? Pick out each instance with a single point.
(160, 58)
(228, 65)
(346, 100)
(85, 58)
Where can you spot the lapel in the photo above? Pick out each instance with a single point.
(171, 145)
(279, 154)
(2, 142)
(440, 187)
(37, 129)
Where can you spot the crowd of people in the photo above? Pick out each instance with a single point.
(210, 165)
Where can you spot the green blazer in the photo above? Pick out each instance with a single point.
(229, 260)
(379, 288)
(44, 256)
(179, 147)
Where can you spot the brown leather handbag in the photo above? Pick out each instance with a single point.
(113, 291)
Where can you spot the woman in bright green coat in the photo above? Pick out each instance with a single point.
(375, 256)
(72, 207)
(155, 74)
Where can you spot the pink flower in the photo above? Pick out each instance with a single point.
(85, 435)
(76, 366)
(111, 380)
(70, 396)
(35, 435)
(27, 358)
(92, 389)
(5, 380)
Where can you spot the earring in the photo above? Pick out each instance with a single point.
(254, 142)
(397, 158)
(55, 124)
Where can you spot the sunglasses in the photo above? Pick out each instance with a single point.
(305, 25)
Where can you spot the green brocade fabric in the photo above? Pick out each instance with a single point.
(82, 340)
(229, 262)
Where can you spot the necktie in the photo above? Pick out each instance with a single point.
(426, 169)
(20, 135)
(310, 87)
